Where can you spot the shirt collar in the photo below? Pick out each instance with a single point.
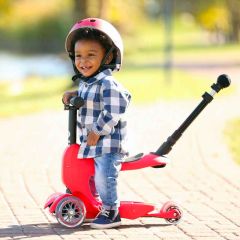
(99, 76)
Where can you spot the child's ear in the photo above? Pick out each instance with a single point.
(110, 58)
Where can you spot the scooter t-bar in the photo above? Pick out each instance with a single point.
(223, 81)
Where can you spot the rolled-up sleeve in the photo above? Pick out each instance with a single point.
(115, 101)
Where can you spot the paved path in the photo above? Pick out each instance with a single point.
(201, 176)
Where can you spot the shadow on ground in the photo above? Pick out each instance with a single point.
(47, 229)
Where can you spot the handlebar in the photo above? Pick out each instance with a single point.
(74, 103)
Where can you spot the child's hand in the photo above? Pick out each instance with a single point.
(92, 139)
(67, 96)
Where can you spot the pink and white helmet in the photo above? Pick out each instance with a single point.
(106, 28)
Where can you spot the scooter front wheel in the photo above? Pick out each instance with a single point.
(70, 212)
(178, 215)
(176, 212)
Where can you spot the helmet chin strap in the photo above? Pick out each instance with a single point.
(104, 60)
(102, 66)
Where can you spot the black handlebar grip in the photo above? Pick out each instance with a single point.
(77, 102)
(223, 81)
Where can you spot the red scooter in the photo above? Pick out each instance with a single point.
(79, 204)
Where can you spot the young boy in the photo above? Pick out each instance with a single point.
(95, 48)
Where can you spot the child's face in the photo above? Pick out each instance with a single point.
(88, 56)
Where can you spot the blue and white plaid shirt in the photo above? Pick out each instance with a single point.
(105, 102)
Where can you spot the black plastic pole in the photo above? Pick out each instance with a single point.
(166, 147)
(75, 104)
(72, 125)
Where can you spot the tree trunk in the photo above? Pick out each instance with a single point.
(103, 9)
(234, 9)
(80, 9)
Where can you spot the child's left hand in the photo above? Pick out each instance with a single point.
(92, 139)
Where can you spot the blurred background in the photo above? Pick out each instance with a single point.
(169, 45)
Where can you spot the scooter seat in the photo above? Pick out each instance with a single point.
(141, 161)
(134, 158)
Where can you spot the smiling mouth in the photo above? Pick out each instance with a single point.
(85, 68)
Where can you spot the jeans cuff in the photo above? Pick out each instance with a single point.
(110, 207)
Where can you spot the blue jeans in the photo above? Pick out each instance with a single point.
(107, 168)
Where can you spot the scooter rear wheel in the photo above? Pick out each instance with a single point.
(70, 212)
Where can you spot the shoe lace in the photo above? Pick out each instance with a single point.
(103, 212)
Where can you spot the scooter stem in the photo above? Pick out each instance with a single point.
(72, 124)
(75, 104)
(223, 81)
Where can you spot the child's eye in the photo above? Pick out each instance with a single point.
(77, 55)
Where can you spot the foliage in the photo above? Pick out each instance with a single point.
(31, 11)
(46, 23)
(219, 17)
(233, 138)
(47, 35)
(215, 18)
(43, 29)
(123, 14)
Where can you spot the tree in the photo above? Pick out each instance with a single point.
(5, 8)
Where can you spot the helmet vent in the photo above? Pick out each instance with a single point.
(92, 20)
(79, 21)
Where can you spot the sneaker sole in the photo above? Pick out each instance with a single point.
(89, 220)
(105, 226)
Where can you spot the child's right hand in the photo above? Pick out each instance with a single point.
(68, 95)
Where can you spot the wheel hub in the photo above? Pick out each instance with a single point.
(71, 213)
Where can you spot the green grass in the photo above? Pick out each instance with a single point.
(232, 135)
(145, 85)
(36, 94)
(189, 43)
(149, 85)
